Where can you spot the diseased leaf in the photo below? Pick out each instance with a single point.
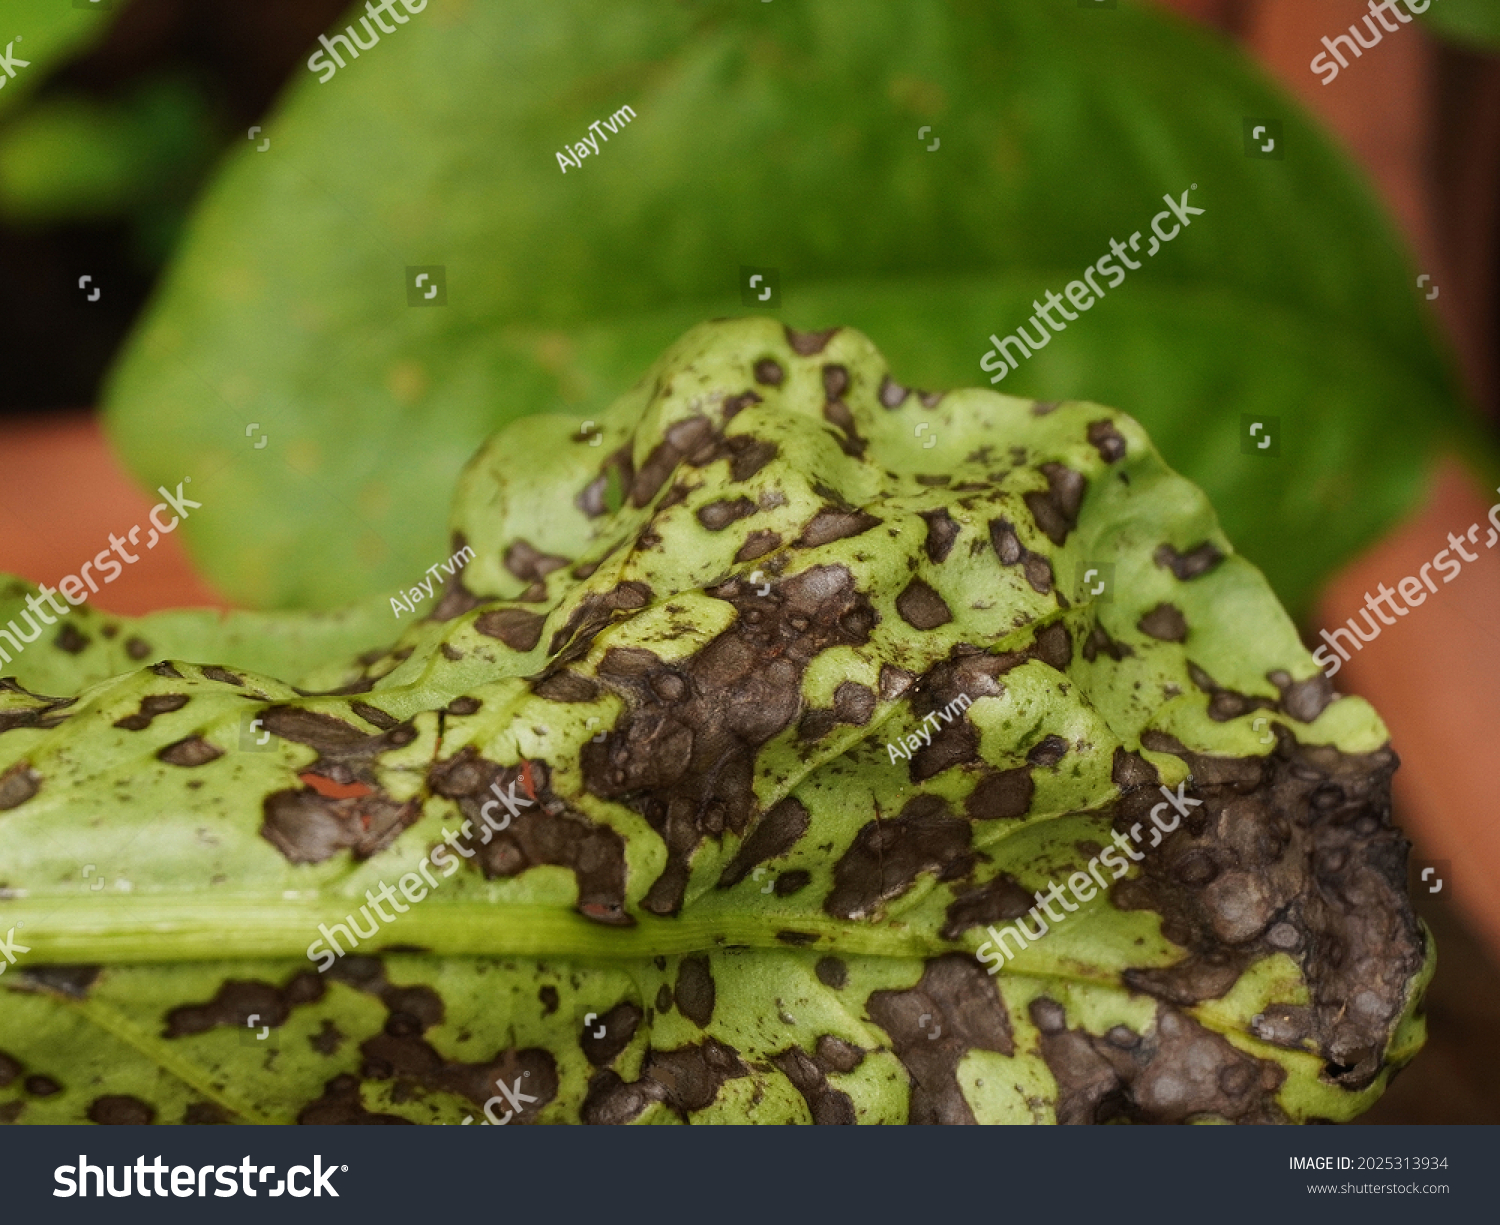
(782, 136)
(713, 806)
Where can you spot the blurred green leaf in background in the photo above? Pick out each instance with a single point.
(74, 158)
(1475, 22)
(46, 33)
(781, 136)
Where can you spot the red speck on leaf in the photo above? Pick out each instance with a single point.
(337, 791)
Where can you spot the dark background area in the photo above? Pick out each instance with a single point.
(226, 62)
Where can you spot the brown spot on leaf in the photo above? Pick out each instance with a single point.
(1001, 795)
(565, 686)
(619, 1024)
(780, 829)
(73, 981)
(518, 629)
(886, 857)
(1009, 549)
(1225, 704)
(942, 531)
(685, 1080)
(17, 785)
(151, 706)
(1056, 510)
(1048, 751)
(835, 381)
(1303, 700)
(1107, 440)
(1177, 1072)
(826, 1104)
(895, 681)
(892, 394)
(716, 516)
(789, 883)
(837, 413)
(119, 1109)
(853, 703)
(997, 900)
(547, 831)
(758, 544)
(530, 564)
(190, 752)
(834, 523)
(374, 716)
(457, 600)
(1292, 853)
(695, 990)
(748, 455)
(237, 1000)
(341, 1104)
(308, 828)
(1130, 771)
(1198, 560)
(960, 1004)
(809, 344)
(921, 607)
(735, 404)
(1100, 643)
(768, 372)
(687, 765)
(1165, 622)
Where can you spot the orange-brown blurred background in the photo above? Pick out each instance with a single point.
(1422, 117)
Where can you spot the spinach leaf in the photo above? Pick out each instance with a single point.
(735, 800)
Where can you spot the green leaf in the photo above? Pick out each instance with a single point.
(728, 802)
(1475, 22)
(783, 136)
(71, 157)
(45, 33)
(90, 647)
